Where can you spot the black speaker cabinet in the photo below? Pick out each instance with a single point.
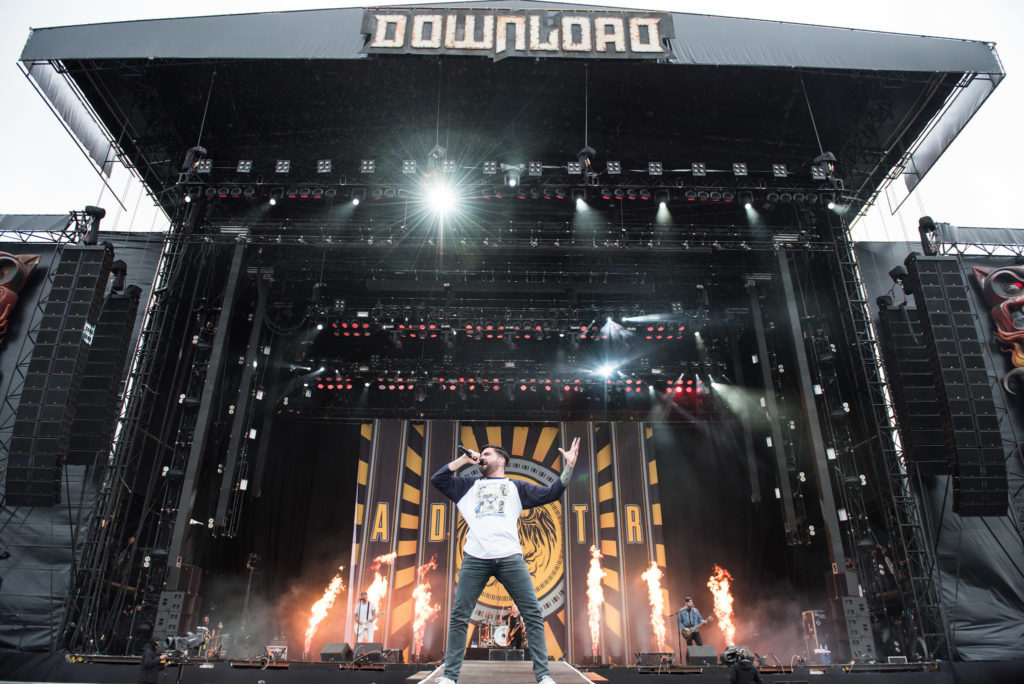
(701, 655)
(336, 653)
(505, 654)
(371, 652)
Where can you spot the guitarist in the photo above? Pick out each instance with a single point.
(366, 615)
(516, 630)
(690, 622)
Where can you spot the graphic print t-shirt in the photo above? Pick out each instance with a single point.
(491, 508)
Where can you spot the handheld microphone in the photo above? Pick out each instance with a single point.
(463, 451)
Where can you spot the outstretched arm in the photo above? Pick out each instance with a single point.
(570, 460)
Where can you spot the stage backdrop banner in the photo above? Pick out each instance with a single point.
(409, 537)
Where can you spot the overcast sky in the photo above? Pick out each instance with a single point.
(974, 184)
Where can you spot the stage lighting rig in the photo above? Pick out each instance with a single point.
(95, 214)
(512, 174)
(824, 166)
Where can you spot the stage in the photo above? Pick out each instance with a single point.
(26, 667)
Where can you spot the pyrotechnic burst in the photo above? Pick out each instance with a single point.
(718, 583)
(378, 589)
(423, 611)
(323, 605)
(595, 599)
(657, 600)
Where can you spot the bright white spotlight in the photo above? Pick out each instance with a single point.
(441, 198)
(580, 203)
(605, 370)
(355, 201)
(831, 205)
(748, 205)
(273, 201)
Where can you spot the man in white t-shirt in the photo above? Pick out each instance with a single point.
(491, 506)
(366, 620)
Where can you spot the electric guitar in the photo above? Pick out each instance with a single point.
(690, 631)
(363, 626)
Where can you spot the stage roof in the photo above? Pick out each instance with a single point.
(308, 85)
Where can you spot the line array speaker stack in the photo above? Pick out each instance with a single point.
(42, 425)
(912, 384)
(970, 426)
(93, 426)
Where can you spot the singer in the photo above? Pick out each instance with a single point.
(491, 506)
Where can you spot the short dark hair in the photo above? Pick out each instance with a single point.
(501, 452)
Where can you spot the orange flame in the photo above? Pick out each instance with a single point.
(595, 599)
(423, 611)
(319, 610)
(378, 589)
(718, 583)
(653, 578)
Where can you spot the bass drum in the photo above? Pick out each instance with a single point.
(501, 636)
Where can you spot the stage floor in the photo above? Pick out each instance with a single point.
(38, 667)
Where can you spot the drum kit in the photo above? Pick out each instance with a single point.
(494, 632)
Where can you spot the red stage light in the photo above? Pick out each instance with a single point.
(319, 386)
(522, 388)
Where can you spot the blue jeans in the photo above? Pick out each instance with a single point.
(513, 574)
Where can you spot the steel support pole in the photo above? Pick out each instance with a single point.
(187, 498)
(846, 584)
(771, 407)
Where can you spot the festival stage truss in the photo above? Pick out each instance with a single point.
(648, 250)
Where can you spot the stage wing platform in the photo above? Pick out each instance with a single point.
(25, 667)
